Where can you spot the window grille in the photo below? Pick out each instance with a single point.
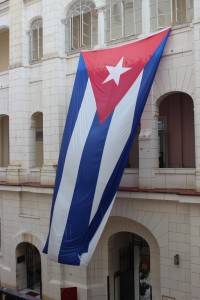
(36, 40)
(123, 19)
(81, 26)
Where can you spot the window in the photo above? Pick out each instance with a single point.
(176, 132)
(4, 141)
(0, 233)
(123, 19)
(36, 40)
(36, 138)
(81, 26)
(170, 12)
(4, 42)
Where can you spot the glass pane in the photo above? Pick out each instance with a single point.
(35, 44)
(94, 36)
(137, 4)
(40, 42)
(86, 23)
(128, 19)
(164, 8)
(189, 10)
(138, 27)
(75, 33)
(153, 19)
(164, 20)
(116, 21)
(180, 11)
(138, 15)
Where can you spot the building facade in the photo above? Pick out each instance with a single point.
(150, 248)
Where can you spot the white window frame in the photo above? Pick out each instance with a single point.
(36, 26)
(123, 19)
(175, 12)
(79, 9)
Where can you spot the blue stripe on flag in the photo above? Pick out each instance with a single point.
(74, 107)
(85, 187)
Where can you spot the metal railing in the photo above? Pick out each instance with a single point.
(8, 294)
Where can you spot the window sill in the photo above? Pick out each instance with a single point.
(175, 171)
(35, 62)
(123, 39)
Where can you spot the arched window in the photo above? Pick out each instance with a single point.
(176, 132)
(36, 40)
(170, 12)
(81, 25)
(4, 42)
(123, 18)
(4, 141)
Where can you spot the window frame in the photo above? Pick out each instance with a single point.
(80, 9)
(36, 27)
(177, 13)
(123, 14)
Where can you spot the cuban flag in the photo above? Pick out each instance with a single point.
(109, 95)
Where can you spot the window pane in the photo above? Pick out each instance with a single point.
(116, 21)
(86, 32)
(164, 8)
(36, 40)
(128, 18)
(40, 42)
(153, 15)
(94, 33)
(164, 20)
(164, 13)
(189, 10)
(75, 32)
(81, 31)
(35, 44)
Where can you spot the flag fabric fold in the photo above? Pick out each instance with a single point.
(108, 98)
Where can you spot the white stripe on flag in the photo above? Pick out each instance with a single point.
(85, 257)
(116, 139)
(70, 170)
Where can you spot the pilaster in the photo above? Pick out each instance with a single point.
(196, 43)
(54, 86)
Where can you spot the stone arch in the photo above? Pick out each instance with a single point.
(32, 20)
(28, 237)
(180, 79)
(68, 4)
(28, 268)
(120, 224)
(4, 28)
(167, 93)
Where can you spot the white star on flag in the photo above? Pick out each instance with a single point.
(116, 72)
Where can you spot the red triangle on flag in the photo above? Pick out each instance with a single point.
(113, 71)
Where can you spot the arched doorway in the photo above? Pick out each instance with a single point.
(28, 269)
(128, 267)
